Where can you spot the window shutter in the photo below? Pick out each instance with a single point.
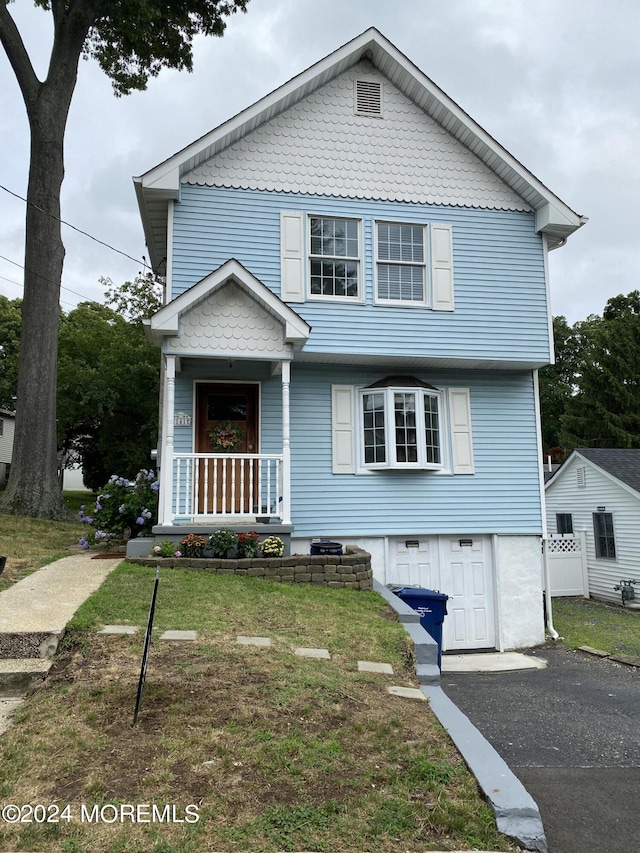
(442, 267)
(461, 440)
(342, 427)
(291, 256)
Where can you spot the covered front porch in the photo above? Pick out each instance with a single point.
(224, 444)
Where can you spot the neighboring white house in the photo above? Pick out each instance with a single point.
(598, 491)
(7, 429)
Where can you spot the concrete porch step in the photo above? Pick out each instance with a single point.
(18, 675)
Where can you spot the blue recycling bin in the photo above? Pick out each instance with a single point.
(432, 607)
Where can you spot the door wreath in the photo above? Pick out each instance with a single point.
(226, 436)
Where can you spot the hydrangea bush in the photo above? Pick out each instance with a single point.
(123, 509)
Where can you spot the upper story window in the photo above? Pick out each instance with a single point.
(400, 262)
(334, 258)
(605, 541)
(401, 427)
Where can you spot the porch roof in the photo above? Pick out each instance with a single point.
(270, 329)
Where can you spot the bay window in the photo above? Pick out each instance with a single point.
(401, 427)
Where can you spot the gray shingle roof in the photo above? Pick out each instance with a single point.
(623, 464)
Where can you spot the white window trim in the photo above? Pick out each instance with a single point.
(443, 467)
(425, 302)
(319, 297)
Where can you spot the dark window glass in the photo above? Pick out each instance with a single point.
(604, 536)
(223, 408)
(564, 522)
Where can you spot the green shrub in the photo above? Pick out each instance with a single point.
(223, 543)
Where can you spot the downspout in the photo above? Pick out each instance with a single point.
(543, 508)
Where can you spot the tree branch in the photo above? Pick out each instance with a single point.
(18, 57)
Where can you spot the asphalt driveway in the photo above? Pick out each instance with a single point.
(571, 733)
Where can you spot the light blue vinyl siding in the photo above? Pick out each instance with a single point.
(500, 292)
(503, 496)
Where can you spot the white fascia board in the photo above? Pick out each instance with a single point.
(165, 322)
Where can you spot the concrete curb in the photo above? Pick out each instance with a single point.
(517, 814)
(425, 647)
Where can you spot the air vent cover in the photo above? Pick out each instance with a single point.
(368, 98)
(581, 477)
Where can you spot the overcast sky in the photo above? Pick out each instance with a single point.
(556, 82)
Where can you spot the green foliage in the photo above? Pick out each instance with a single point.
(558, 381)
(10, 325)
(108, 380)
(134, 300)
(605, 410)
(124, 506)
(248, 544)
(193, 545)
(134, 41)
(165, 548)
(223, 543)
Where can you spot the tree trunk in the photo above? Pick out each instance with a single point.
(33, 489)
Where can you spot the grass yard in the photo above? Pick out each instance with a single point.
(273, 751)
(29, 543)
(584, 622)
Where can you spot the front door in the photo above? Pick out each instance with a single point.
(226, 426)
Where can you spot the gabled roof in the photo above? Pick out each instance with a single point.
(621, 464)
(166, 321)
(161, 184)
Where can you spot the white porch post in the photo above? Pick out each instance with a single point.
(286, 444)
(166, 459)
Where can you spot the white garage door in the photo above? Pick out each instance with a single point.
(462, 568)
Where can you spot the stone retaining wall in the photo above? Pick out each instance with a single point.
(351, 571)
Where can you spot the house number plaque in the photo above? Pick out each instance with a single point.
(182, 419)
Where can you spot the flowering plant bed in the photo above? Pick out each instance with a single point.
(351, 571)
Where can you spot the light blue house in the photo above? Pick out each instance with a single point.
(357, 305)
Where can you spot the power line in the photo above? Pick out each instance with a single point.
(79, 230)
(44, 278)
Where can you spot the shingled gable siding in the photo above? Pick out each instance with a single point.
(502, 496)
(500, 291)
(351, 571)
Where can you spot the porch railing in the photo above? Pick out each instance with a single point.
(212, 486)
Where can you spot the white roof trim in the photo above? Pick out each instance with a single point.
(166, 321)
(578, 456)
(163, 181)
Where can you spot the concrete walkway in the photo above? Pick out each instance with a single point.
(45, 601)
(33, 615)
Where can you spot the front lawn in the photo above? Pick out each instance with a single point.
(273, 751)
(584, 622)
(29, 543)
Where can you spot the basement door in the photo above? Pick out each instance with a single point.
(462, 568)
(227, 486)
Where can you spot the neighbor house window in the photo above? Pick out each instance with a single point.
(401, 427)
(334, 258)
(1, 427)
(401, 274)
(604, 535)
(564, 522)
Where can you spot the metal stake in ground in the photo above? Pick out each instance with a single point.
(147, 643)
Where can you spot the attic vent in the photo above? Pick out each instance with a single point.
(368, 98)
(581, 477)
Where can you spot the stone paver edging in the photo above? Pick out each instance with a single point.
(517, 814)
